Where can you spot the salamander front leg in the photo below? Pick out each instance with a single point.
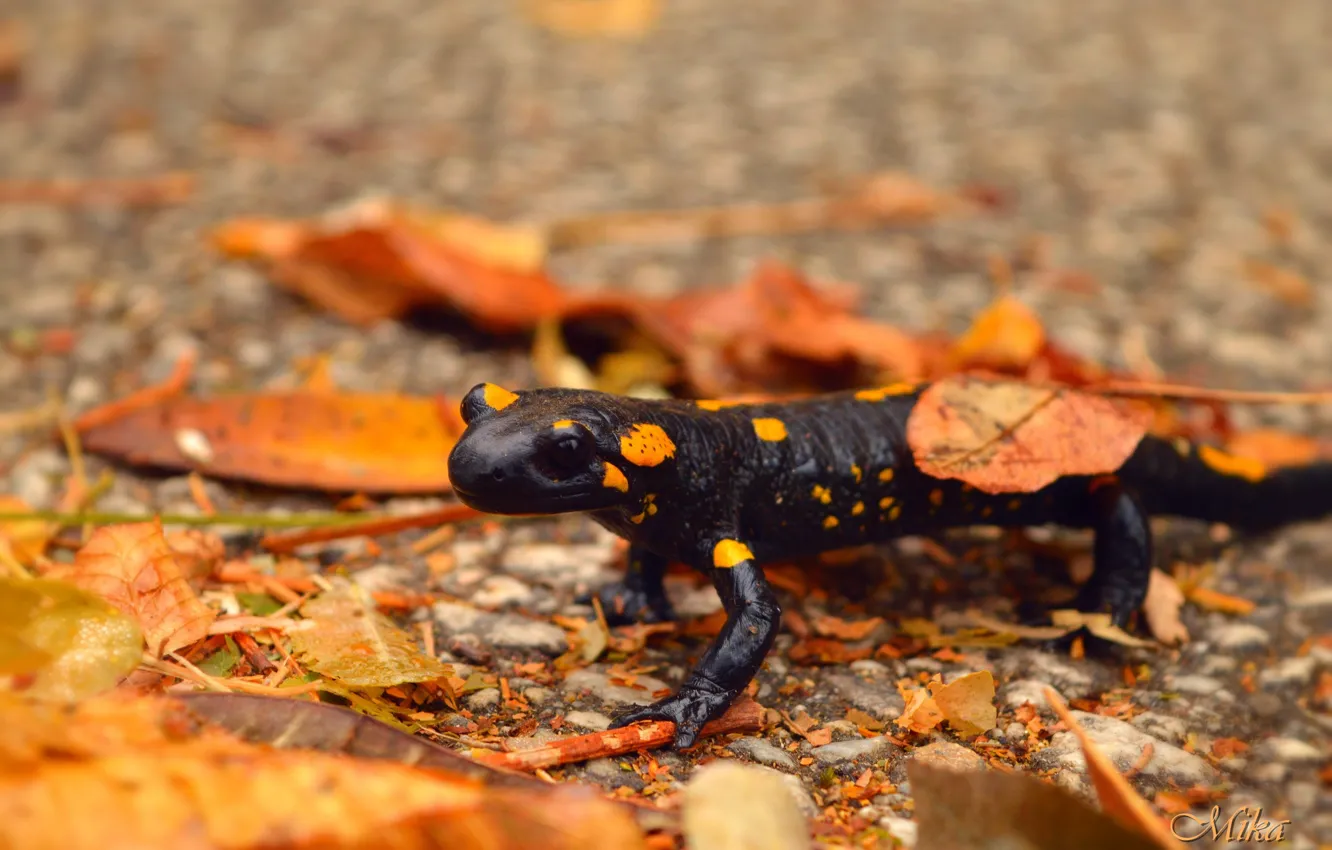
(1122, 555)
(640, 596)
(752, 618)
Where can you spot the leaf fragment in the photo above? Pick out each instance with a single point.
(967, 703)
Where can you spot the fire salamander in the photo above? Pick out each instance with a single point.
(726, 487)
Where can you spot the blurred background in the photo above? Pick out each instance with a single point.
(1145, 166)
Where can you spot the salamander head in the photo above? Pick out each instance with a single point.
(549, 451)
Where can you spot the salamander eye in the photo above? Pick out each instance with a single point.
(569, 451)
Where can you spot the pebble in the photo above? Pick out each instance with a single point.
(1019, 692)
(1194, 684)
(853, 750)
(1239, 636)
(1070, 680)
(879, 699)
(500, 591)
(591, 720)
(538, 695)
(521, 633)
(484, 699)
(1015, 733)
(1290, 751)
(1313, 597)
(1289, 672)
(36, 476)
(1163, 726)
(1302, 797)
(949, 755)
(732, 806)
(455, 617)
(763, 752)
(1124, 745)
(560, 564)
(902, 829)
(600, 685)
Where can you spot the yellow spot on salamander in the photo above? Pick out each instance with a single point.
(857, 509)
(715, 404)
(562, 423)
(772, 430)
(895, 512)
(886, 474)
(823, 494)
(881, 393)
(498, 398)
(1228, 464)
(885, 503)
(936, 497)
(728, 553)
(986, 511)
(646, 445)
(615, 479)
(856, 473)
(1182, 446)
(636, 519)
(649, 508)
(1014, 504)
(830, 522)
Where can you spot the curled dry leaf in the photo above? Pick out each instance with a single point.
(967, 703)
(1008, 437)
(1097, 624)
(921, 713)
(132, 567)
(359, 647)
(1006, 336)
(141, 774)
(63, 644)
(1161, 609)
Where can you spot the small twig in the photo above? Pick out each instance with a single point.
(154, 191)
(744, 716)
(1134, 389)
(242, 520)
(371, 526)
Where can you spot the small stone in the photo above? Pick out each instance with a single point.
(903, 829)
(869, 667)
(1193, 684)
(1290, 751)
(521, 633)
(1239, 636)
(1269, 772)
(1302, 797)
(484, 699)
(610, 774)
(1313, 597)
(1019, 692)
(949, 755)
(454, 617)
(853, 750)
(383, 577)
(500, 590)
(600, 685)
(879, 699)
(1217, 665)
(1170, 729)
(538, 695)
(591, 720)
(35, 476)
(1015, 733)
(1070, 680)
(559, 564)
(732, 806)
(763, 752)
(1124, 746)
(84, 392)
(1289, 672)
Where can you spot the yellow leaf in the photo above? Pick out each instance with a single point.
(593, 18)
(967, 703)
(1005, 335)
(26, 538)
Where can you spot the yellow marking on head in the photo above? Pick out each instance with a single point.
(830, 522)
(1182, 446)
(886, 474)
(646, 445)
(987, 510)
(823, 494)
(856, 473)
(936, 497)
(885, 503)
(1014, 504)
(615, 479)
(715, 404)
(772, 430)
(562, 423)
(498, 398)
(881, 393)
(895, 512)
(727, 553)
(857, 509)
(638, 518)
(1225, 463)
(650, 504)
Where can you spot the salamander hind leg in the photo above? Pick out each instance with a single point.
(1121, 555)
(640, 596)
(728, 665)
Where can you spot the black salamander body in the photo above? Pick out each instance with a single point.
(726, 487)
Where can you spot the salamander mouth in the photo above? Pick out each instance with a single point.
(570, 501)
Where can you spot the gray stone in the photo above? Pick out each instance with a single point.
(869, 667)
(903, 829)
(1019, 692)
(484, 699)
(1124, 745)
(854, 749)
(1311, 597)
(1193, 684)
(595, 721)
(537, 695)
(455, 617)
(1170, 729)
(948, 755)
(732, 806)
(36, 477)
(521, 633)
(1015, 733)
(1071, 680)
(763, 752)
(600, 685)
(1289, 672)
(560, 564)
(1291, 751)
(877, 698)
(1239, 637)
(500, 590)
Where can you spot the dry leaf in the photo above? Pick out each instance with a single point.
(25, 539)
(1117, 797)
(1096, 623)
(1291, 287)
(967, 703)
(62, 644)
(594, 18)
(359, 647)
(1161, 608)
(921, 713)
(1274, 449)
(1007, 437)
(835, 627)
(133, 568)
(1007, 335)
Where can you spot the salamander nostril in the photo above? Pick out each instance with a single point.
(497, 473)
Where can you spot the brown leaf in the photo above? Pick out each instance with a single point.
(835, 627)
(1006, 437)
(921, 713)
(1161, 609)
(140, 774)
(967, 703)
(133, 568)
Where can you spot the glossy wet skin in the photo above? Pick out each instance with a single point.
(551, 451)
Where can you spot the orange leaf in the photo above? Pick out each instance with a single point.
(921, 713)
(835, 627)
(1274, 448)
(25, 539)
(133, 568)
(1161, 608)
(1005, 335)
(1005, 437)
(1291, 287)
(967, 703)
(332, 441)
